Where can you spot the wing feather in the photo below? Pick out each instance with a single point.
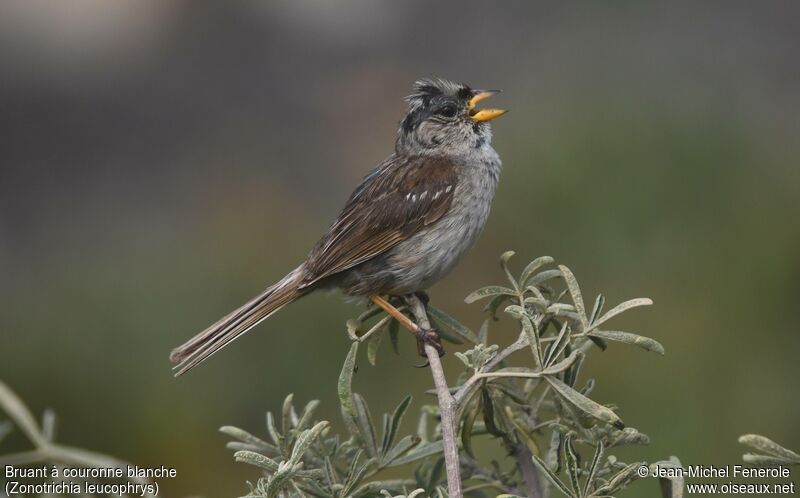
(395, 201)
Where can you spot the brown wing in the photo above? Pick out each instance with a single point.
(395, 201)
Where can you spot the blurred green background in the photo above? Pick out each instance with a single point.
(161, 162)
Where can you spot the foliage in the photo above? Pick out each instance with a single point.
(769, 453)
(42, 438)
(541, 413)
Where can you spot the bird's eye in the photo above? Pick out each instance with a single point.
(448, 110)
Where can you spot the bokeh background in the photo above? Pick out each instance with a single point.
(161, 162)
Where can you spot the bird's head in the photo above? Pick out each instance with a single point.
(443, 118)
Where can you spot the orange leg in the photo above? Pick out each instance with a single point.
(423, 336)
(395, 313)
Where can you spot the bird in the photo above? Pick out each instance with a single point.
(404, 227)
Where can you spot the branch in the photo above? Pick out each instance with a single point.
(446, 403)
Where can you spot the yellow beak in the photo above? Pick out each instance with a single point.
(483, 114)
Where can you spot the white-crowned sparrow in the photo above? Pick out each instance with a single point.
(404, 227)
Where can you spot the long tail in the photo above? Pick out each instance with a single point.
(206, 343)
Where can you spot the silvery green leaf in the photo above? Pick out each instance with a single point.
(444, 322)
(330, 472)
(593, 467)
(588, 388)
(557, 347)
(621, 479)
(467, 426)
(304, 441)
(248, 438)
(571, 376)
(488, 291)
(353, 328)
(767, 460)
(436, 472)
(286, 415)
(483, 333)
(532, 267)
(373, 343)
(539, 303)
(355, 474)
(515, 311)
(671, 487)
(256, 459)
(544, 276)
(628, 436)
(394, 423)
(276, 436)
(346, 390)
(504, 264)
(533, 338)
(19, 413)
(575, 292)
(365, 426)
(620, 308)
(464, 359)
(554, 480)
(401, 448)
(768, 446)
(585, 404)
(421, 451)
(563, 364)
(598, 308)
(573, 465)
(628, 338)
(308, 413)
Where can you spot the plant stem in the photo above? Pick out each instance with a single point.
(446, 403)
(525, 463)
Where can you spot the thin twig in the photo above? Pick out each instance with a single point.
(446, 403)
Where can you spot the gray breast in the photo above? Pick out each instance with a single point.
(417, 263)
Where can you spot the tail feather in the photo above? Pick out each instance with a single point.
(220, 334)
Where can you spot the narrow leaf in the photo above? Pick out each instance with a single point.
(419, 453)
(365, 426)
(443, 321)
(491, 290)
(573, 465)
(544, 276)
(532, 267)
(504, 264)
(768, 446)
(557, 347)
(593, 467)
(401, 448)
(585, 404)
(346, 390)
(598, 308)
(575, 292)
(19, 413)
(620, 308)
(554, 480)
(248, 438)
(394, 424)
(628, 338)
(373, 343)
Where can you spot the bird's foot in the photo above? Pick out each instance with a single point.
(425, 337)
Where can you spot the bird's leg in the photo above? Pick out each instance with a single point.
(424, 336)
(424, 297)
(396, 314)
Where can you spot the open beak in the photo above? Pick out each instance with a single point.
(483, 114)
